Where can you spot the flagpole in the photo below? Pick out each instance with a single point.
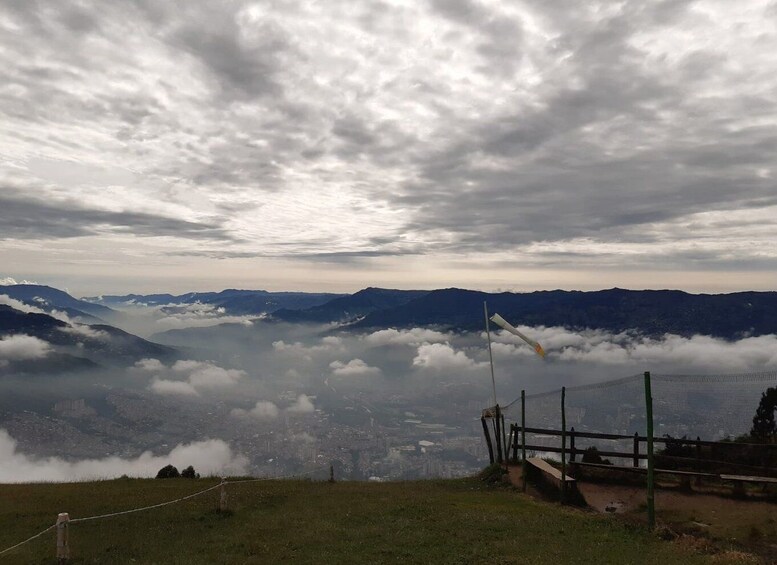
(490, 355)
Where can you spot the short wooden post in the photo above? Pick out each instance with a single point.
(223, 495)
(636, 449)
(572, 445)
(63, 548)
(331, 473)
(515, 442)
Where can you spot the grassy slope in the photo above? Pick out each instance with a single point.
(448, 522)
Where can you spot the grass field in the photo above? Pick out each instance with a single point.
(454, 521)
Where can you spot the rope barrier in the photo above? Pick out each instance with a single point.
(76, 520)
(161, 504)
(51, 527)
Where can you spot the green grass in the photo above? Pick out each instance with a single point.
(457, 521)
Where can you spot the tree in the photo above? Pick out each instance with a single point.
(168, 472)
(764, 426)
(189, 473)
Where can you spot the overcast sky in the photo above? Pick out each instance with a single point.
(149, 145)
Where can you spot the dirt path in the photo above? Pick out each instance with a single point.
(748, 523)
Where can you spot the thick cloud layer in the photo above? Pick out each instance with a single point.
(209, 457)
(544, 140)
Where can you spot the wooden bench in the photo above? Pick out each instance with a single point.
(549, 471)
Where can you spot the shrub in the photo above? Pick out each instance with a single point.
(189, 473)
(168, 472)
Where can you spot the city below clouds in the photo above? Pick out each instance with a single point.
(481, 144)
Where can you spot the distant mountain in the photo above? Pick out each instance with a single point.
(351, 307)
(652, 312)
(99, 343)
(49, 299)
(233, 301)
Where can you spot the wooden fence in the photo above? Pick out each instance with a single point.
(697, 454)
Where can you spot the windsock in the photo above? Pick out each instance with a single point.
(505, 325)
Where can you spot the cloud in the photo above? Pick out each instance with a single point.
(263, 410)
(19, 305)
(150, 365)
(601, 347)
(167, 387)
(22, 347)
(413, 337)
(354, 367)
(31, 218)
(10, 281)
(210, 456)
(199, 376)
(442, 356)
(207, 375)
(196, 315)
(303, 405)
(83, 330)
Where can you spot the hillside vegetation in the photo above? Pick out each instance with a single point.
(453, 521)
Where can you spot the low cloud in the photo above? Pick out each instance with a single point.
(601, 347)
(207, 375)
(354, 367)
(303, 405)
(83, 330)
(441, 356)
(176, 388)
(208, 457)
(414, 337)
(22, 347)
(263, 410)
(187, 377)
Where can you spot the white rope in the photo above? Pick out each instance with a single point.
(29, 539)
(75, 520)
(112, 514)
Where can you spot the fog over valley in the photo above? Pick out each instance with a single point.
(203, 380)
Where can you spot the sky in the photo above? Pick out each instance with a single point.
(174, 146)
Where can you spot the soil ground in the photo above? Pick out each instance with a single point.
(713, 515)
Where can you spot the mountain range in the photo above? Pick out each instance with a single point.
(233, 301)
(651, 312)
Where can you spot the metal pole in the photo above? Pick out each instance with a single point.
(563, 446)
(523, 440)
(490, 355)
(650, 484)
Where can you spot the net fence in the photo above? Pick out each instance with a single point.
(710, 407)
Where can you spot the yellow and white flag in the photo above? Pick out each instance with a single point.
(505, 325)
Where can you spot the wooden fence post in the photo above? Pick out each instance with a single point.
(63, 548)
(488, 440)
(563, 445)
(698, 460)
(331, 473)
(223, 495)
(524, 467)
(498, 434)
(572, 445)
(636, 449)
(651, 508)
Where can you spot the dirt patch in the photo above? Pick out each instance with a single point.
(733, 525)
